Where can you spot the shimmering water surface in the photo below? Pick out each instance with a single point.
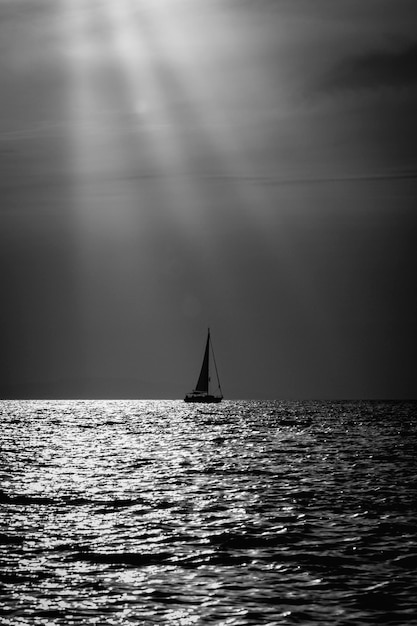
(161, 512)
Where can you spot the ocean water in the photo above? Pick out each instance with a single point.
(161, 512)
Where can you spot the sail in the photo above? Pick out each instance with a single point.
(201, 392)
(203, 379)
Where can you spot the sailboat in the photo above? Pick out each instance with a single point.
(201, 393)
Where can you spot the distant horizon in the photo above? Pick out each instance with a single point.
(132, 397)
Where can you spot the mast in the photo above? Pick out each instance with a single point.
(215, 367)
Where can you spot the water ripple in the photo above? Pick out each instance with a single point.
(245, 513)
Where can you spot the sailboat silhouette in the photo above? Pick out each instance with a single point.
(201, 393)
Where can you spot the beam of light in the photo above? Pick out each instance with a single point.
(224, 174)
(190, 141)
(119, 36)
(122, 125)
(159, 140)
(96, 152)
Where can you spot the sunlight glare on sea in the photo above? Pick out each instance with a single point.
(247, 512)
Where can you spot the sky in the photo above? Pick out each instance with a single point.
(172, 165)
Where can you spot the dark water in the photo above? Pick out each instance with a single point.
(159, 512)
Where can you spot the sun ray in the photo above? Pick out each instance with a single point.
(160, 140)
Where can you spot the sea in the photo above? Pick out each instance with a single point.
(240, 513)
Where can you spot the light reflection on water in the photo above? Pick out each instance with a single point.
(245, 513)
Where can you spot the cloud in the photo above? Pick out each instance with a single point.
(382, 69)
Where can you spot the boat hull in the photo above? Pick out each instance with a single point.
(208, 399)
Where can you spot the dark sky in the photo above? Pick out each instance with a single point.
(245, 165)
